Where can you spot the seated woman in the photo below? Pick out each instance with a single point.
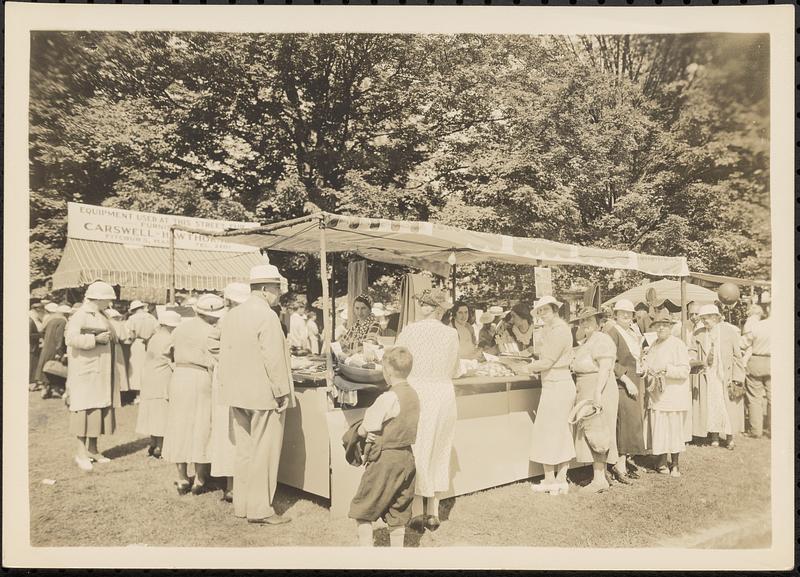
(520, 334)
(365, 326)
(461, 319)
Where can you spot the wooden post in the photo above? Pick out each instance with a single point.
(453, 283)
(333, 290)
(172, 265)
(684, 315)
(326, 305)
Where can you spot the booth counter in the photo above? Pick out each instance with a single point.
(492, 438)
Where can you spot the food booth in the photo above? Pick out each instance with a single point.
(495, 413)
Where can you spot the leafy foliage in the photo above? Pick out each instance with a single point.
(657, 144)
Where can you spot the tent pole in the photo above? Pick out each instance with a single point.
(453, 283)
(171, 265)
(684, 315)
(333, 290)
(326, 305)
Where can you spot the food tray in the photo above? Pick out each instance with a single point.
(360, 375)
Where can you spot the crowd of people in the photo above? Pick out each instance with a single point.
(621, 389)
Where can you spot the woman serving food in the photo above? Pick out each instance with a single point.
(365, 326)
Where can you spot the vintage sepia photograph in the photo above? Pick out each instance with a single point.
(419, 290)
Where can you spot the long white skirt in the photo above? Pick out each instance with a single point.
(551, 440)
(668, 431)
(435, 433)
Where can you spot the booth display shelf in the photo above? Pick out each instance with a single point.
(492, 439)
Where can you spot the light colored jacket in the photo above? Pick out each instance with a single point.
(254, 364)
(730, 354)
(89, 370)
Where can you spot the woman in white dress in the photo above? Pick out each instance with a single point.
(552, 444)
(666, 374)
(434, 347)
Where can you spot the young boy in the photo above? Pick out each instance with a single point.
(390, 427)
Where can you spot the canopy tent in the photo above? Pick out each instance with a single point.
(719, 279)
(666, 289)
(148, 267)
(432, 246)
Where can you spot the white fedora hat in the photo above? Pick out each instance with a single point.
(137, 304)
(265, 273)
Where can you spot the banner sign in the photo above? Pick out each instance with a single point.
(120, 226)
(543, 277)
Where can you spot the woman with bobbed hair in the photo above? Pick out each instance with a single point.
(461, 318)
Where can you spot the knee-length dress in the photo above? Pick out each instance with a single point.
(551, 439)
(669, 401)
(155, 380)
(188, 435)
(630, 418)
(586, 366)
(434, 347)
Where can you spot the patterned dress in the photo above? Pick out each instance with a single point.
(434, 347)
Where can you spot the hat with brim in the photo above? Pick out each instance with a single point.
(487, 318)
(265, 274)
(582, 410)
(112, 313)
(640, 306)
(169, 318)
(51, 307)
(210, 305)
(708, 310)
(546, 300)
(587, 312)
(433, 298)
(237, 292)
(378, 311)
(137, 304)
(496, 310)
(100, 290)
(64, 309)
(624, 305)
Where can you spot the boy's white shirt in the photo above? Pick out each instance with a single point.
(385, 407)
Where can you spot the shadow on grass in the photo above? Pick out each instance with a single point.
(286, 497)
(127, 448)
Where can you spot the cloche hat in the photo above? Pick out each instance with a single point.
(100, 290)
(624, 305)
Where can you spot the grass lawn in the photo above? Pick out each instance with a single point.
(722, 500)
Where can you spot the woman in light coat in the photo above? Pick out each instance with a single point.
(666, 373)
(91, 394)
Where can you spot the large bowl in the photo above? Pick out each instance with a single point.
(359, 375)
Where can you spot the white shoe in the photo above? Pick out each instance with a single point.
(84, 464)
(674, 473)
(542, 487)
(99, 458)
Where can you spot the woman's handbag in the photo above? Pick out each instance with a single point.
(56, 368)
(587, 415)
(735, 390)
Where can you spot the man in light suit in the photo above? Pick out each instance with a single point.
(256, 382)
